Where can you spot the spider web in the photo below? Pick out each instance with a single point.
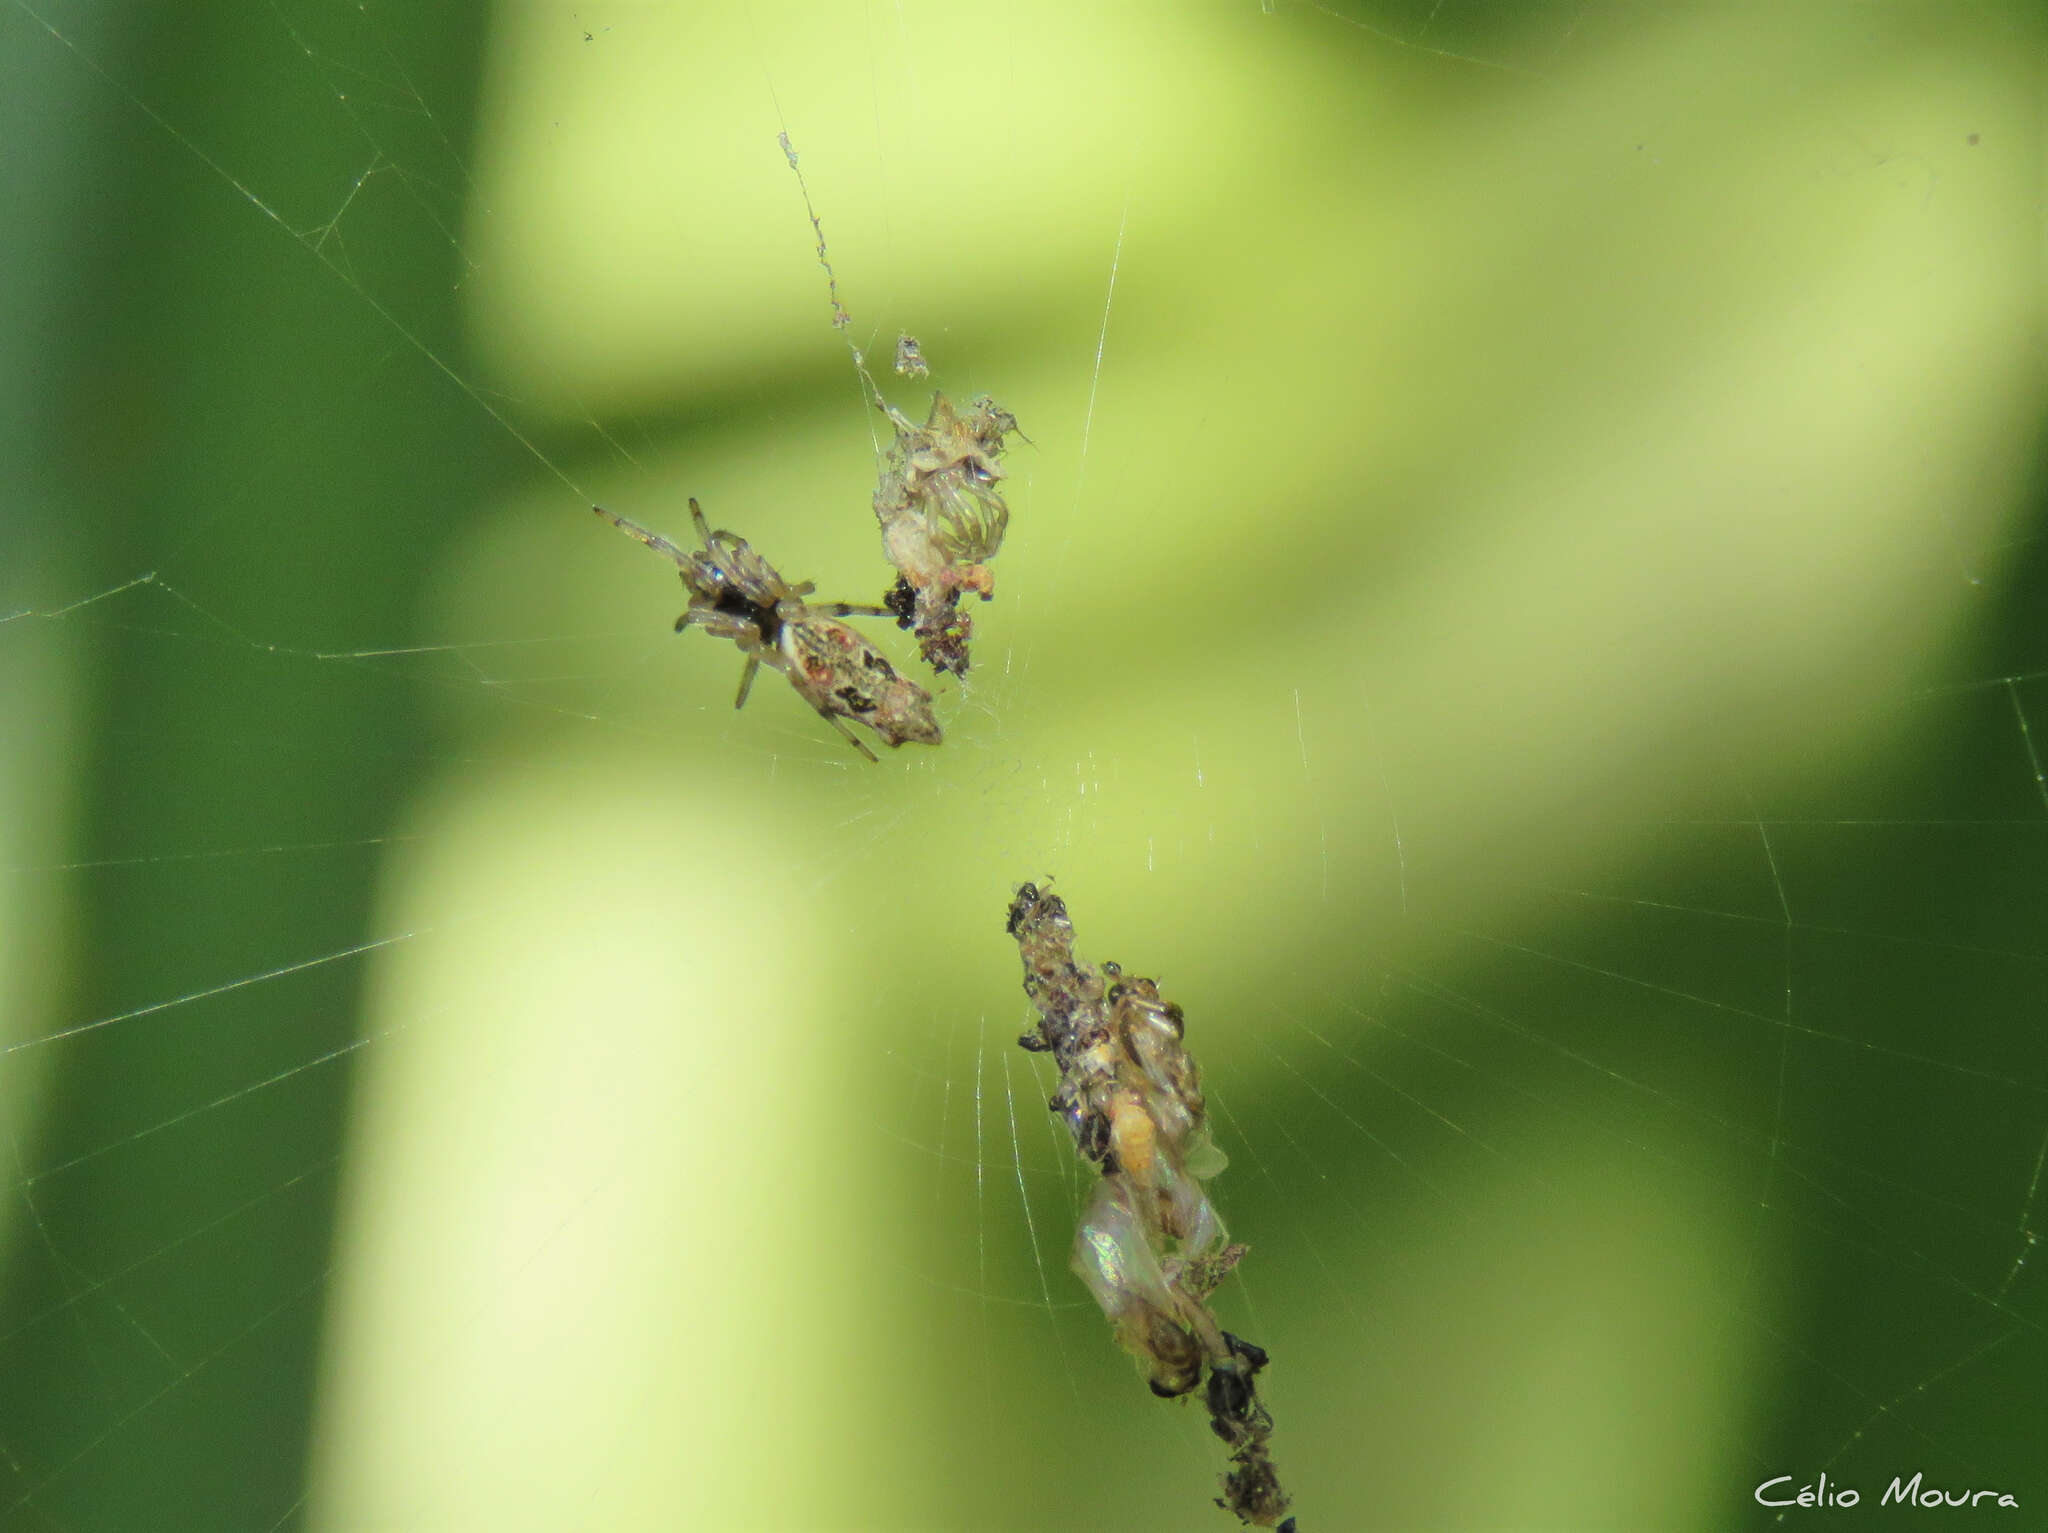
(1521, 610)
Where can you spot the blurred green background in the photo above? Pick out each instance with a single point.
(1522, 609)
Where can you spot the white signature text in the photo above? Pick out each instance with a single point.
(1901, 1492)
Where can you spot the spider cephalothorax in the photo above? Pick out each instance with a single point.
(738, 595)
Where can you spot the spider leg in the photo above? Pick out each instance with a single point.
(720, 625)
(653, 540)
(703, 527)
(849, 609)
(747, 680)
(851, 738)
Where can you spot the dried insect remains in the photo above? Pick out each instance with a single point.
(943, 516)
(1150, 1247)
(736, 594)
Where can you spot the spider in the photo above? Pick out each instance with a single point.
(736, 594)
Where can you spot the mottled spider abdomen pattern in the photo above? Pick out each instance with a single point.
(837, 671)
